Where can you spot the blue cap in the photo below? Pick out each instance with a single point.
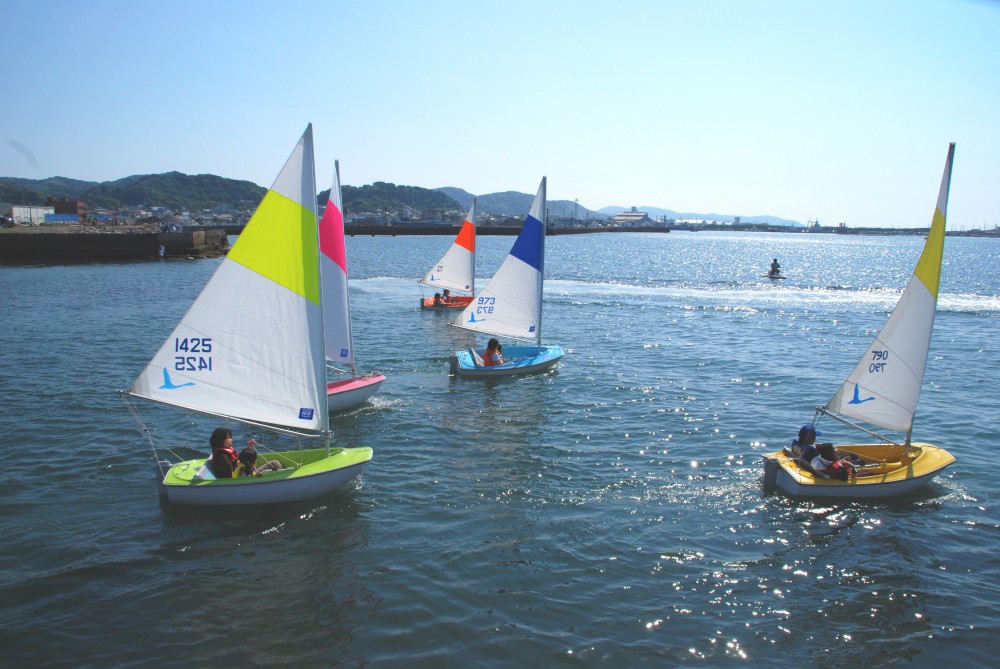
(809, 426)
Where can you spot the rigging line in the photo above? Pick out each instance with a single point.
(848, 423)
(145, 429)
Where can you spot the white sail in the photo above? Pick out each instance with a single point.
(511, 303)
(457, 268)
(884, 387)
(251, 345)
(333, 273)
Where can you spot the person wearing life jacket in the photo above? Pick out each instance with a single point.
(226, 464)
(805, 444)
(446, 297)
(828, 462)
(492, 357)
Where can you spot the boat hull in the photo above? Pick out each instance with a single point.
(893, 472)
(522, 360)
(456, 302)
(313, 475)
(350, 393)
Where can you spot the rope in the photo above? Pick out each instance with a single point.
(154, 442)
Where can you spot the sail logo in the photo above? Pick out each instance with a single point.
(344, 352)
(531, 328)
(472, 318)
(857, 399)
(168, 384)
(306, 414)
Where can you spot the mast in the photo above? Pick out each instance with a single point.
(541, 284)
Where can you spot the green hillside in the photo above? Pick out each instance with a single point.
(382, 196)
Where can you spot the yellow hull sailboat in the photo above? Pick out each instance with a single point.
(882, 391)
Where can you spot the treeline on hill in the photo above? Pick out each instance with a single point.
(383, 196)
(205, 191)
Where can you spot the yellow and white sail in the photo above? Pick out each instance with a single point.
(251, 346)
(885, 385)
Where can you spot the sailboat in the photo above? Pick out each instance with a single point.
(456, 270)
(883, 390)
(251, 349)
(511, 306)
(346, 393)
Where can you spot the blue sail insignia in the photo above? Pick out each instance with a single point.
(169, 385)
(857, 399)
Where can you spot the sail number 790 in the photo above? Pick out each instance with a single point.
(197, 358)
(879, 361)
(484, 305)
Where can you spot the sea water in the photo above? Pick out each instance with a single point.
(609, 513)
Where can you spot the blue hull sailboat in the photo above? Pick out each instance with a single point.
(511, 306)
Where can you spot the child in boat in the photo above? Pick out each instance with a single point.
(437, 300)
(492, 356)
(226, 464)
(828, 462)
(805, 445)
(446, 297)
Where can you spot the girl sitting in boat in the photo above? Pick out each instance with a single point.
(828, 462)
(492, 357)
(226, 464)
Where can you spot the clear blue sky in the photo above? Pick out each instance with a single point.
(840, 111)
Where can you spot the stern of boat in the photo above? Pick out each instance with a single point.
(771, 468)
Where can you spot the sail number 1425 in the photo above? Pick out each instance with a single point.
(195, 354)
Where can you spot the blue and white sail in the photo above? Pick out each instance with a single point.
(511, 303)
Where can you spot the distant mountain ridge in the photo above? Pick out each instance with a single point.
(180, 191)
(511, 203)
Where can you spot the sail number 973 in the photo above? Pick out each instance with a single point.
(879, 361)
(195, 354)
(485, 305)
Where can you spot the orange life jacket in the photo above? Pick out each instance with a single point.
(488, 360)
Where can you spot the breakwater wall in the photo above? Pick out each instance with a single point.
(37, 246)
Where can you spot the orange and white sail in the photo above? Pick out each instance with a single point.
(457, 268)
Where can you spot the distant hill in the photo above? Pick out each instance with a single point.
(180, 191)
(517, 205)
(176, 190)
(172, 189)
(383, 196)
(34, 191)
